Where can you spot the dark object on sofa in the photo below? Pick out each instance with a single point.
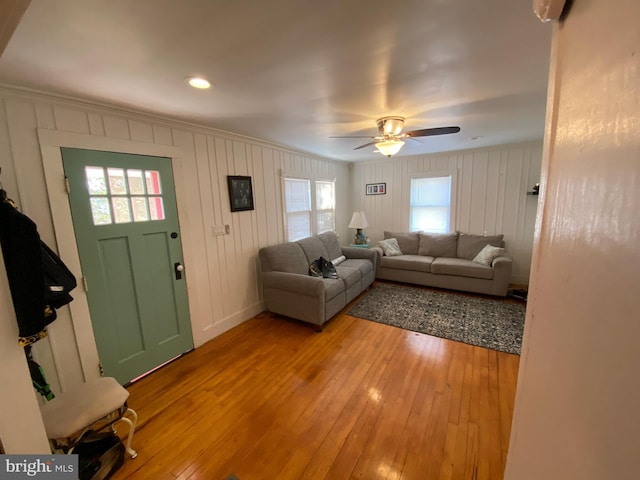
(322, 268)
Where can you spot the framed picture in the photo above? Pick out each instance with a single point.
(376, 188)
(240, 193)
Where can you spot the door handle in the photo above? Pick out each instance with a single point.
(178, 268)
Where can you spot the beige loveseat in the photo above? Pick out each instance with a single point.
(446, 261)
(289, 290)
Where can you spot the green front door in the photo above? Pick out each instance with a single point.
(126, 224)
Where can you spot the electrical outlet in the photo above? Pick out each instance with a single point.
(217, 230)
(227, 229)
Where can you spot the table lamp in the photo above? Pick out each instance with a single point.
(359, 221)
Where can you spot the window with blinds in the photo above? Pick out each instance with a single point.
(430, 207)
(307, 215)
(325, 206)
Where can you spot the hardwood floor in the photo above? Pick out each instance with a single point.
(273, 399)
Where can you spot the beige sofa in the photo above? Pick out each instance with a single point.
(445, 261)
(289, 290)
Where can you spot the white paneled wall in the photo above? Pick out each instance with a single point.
(492, 185)
(222, 270)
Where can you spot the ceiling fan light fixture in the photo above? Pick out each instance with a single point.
(389, 147)
(390, 125)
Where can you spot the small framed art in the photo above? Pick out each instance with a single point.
(240, 193)
(376, 188)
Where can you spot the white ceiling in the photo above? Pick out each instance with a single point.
(294, 72)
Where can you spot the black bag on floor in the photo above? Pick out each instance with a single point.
(100, 455)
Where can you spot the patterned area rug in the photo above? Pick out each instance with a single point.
(476, 320)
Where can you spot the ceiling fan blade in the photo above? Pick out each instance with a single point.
(367, 144)
(352, 136)
(427, 132)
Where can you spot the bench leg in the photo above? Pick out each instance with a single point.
(132, 426)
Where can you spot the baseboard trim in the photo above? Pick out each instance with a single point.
(227, 323)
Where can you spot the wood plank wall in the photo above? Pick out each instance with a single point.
(491, 194)
(223, 284)
(222, 270)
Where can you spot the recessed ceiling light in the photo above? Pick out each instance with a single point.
(198, 82)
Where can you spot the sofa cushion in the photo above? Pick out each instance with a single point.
(470, 245)
(390, 247)
(313, 249)
(418, 263)
(438, 244)
(331, 243)
(286, 257)
(365, 266)
(408, 242)
(461, 267)
(488, 254)
(350, 276)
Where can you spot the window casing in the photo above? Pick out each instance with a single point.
(431, 203)
(307, 214)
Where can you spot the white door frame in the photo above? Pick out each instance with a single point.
(50, 143)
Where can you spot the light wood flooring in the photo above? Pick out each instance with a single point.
(273, 399)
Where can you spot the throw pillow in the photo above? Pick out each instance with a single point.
(438, 244)
(390, 247)
(470, 245)
(409, 242)
(488, 254)
(339, 260)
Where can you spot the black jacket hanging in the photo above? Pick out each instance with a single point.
(32, 269)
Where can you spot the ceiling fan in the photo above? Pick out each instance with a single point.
(390, 138)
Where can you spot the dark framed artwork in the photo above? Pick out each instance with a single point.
(376, 189)
(240, 193)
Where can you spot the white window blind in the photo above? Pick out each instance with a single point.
(325, 206)
(305, 215)
(430, 204)
(297, 208)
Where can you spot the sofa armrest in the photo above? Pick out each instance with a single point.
(294, 282)
(379, 254)
(501, 274)
(364, 253)
(503, 261)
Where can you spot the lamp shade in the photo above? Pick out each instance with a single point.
(389, 147)
(358, 220)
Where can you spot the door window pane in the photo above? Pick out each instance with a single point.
(153, 182)
(140, 210)
(96, 182)
(121, 210)
(136, 185)
(100, 210)
(156, 208)
(117, 184)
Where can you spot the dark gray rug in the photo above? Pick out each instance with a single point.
(476, 320)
